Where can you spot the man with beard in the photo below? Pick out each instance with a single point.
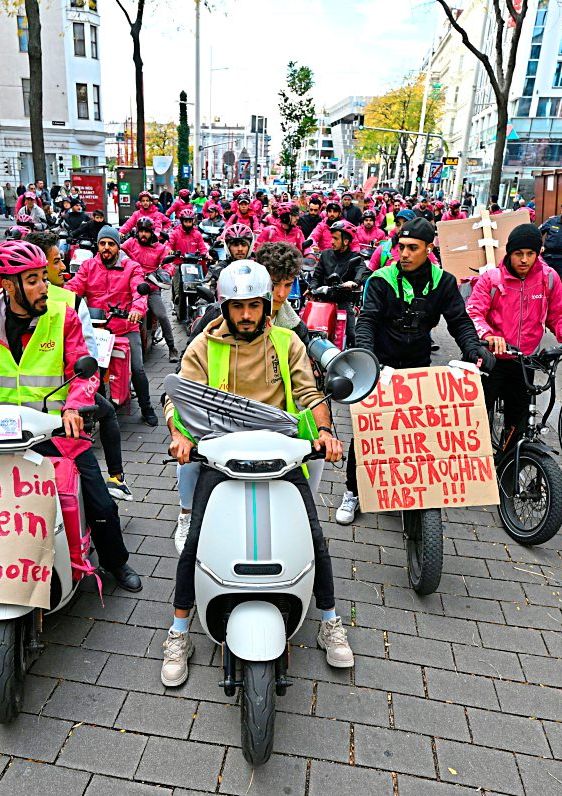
(350, 211)
(112, 278)
(269, 364)
(27, 323)
(310, 220)
(322, 235)
(145, 250)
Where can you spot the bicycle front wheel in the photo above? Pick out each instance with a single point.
(535, 514)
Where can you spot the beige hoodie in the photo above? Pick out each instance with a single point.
(254, 367)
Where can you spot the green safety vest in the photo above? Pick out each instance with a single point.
(41, 367)
(218, 363)
(391, 273)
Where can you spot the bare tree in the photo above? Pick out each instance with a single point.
(35, 57)
(500, 73)
(135, 27)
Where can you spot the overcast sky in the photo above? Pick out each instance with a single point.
(353, 47)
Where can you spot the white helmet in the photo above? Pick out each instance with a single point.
(244, 279)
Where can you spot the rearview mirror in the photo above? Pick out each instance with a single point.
(85, 367)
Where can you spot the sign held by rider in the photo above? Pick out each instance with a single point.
(422, 441)
(27, 522)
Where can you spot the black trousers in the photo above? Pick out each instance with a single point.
(506, 381)
(101, 511)
(350, 324)
(185, 575)
(110, 434)
(351, 471)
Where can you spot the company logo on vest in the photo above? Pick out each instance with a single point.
(48, 345)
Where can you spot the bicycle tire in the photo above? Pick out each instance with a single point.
(424, 545)
(552, 518)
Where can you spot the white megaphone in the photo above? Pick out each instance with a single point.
(349, 375)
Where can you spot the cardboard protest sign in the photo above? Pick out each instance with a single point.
(422, 440)
(27, 520)
(463, 243)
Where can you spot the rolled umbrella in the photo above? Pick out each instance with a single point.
(207, 411)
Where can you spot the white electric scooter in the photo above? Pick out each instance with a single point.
(255, 559)
(21, 626)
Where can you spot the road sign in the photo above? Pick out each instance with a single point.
(186, 172)
(435, 170)
(306, 168)
(450, 161)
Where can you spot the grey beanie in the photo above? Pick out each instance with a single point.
(109, 232)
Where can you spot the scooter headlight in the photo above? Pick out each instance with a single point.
(256, 466)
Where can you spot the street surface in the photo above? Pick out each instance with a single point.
(453, 694)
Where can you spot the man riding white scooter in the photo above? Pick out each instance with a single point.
(40, 342)
(269, 364)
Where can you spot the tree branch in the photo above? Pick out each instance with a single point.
(482, 57)
(519, 19)
(500, 24)
(124, 10)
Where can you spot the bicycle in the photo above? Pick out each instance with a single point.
(529, 479)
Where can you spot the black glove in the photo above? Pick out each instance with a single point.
(481, 353)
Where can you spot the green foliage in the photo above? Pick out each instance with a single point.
(183, 142)
(298, 116)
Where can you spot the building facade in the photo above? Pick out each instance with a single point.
(535, 113)
(344, 117)
(72, 92)
(317, 162)
(230, 152)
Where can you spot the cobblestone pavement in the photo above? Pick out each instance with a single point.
(456, 693)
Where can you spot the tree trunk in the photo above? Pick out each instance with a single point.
(499, 148)
(139, 96)
(35, 57)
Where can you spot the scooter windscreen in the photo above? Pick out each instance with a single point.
(350, 376)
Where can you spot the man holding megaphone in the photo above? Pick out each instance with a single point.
(402, 303)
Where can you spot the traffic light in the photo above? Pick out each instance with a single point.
(7, 169)
(419, 175)
(61, 164)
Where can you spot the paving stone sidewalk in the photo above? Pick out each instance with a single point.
(453, 694)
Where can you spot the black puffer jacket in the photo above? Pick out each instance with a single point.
(398, 332)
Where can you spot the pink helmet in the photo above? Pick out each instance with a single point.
(29, 195)
(285, 207)
(25, 219)
(345, 227)
(18, 256)
(142, 194)
(439, 205)
(215, 194)
(239, 232)
(184, 194)
(454, 204)
(188, 213)
(216, 208)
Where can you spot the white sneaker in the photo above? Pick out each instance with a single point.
(182, 531)
(333, 638)
(348, 509)
(178, 649)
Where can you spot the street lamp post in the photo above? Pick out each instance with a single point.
(211, 70)
(197, 130)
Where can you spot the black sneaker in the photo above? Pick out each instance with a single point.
(174, 355)
(149, 417)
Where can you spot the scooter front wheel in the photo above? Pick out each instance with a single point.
(424, 544)
(258, 711)
(12, 668)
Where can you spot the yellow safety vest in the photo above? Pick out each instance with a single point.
(41, 367)
(56, 293)
(218, 365)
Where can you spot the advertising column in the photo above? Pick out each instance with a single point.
(130, 182)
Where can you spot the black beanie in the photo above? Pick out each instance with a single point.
(525, 236)
(418, 228)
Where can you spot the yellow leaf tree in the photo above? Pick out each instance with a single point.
(399, 109)
(161, 139)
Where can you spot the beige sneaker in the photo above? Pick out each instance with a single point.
(333, 638)
(182, 531)
(178, 649)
